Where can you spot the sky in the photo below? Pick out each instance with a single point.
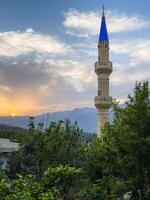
(48, 49)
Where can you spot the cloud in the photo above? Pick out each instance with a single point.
(129, 55)
(142, 51)
(40, 73)
(5, 88)
(35, 87)
(16, 43)
(132, 51)
(86, 24)
(75, 70)
(138, 49)
(121, 22)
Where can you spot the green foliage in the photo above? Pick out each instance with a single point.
(55, 184)
(104, 189)
(61, 143)
(12, 133)
(65, 178)
(130, 137)
(64, 166)
(122, 153)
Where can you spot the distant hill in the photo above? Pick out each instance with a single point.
(86, 118)
(11, 129)
(10, 132)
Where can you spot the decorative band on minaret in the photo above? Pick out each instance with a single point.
(103, 69)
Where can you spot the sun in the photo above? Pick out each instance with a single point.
(13, 114)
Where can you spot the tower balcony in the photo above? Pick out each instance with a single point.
(102, 68)
(102, 102)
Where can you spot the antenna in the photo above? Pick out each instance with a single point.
(43, 119)
(47, 120)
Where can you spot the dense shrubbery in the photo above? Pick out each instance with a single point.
(55, 184)
(59, 163)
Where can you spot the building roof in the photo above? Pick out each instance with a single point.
(7, 146)
(103, 36)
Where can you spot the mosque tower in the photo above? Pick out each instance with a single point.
(103, 68)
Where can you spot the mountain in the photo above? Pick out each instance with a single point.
(11, 129)
(86, 118)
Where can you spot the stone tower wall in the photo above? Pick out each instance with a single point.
(103, 69)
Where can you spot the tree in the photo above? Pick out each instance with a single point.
(62, 143)
(65, 179)
(65, 166)
(57, 183)
(131, 133)
(122, 153)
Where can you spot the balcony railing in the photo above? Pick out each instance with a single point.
(100, 68)
(102, 102)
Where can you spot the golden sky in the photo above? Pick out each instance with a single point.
(47, 61)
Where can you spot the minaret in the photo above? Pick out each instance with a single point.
(103, 69)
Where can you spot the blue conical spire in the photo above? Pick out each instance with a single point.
(103, 36)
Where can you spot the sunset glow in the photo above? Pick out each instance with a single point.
(18, 106)
(13, 114)
(47, 65)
